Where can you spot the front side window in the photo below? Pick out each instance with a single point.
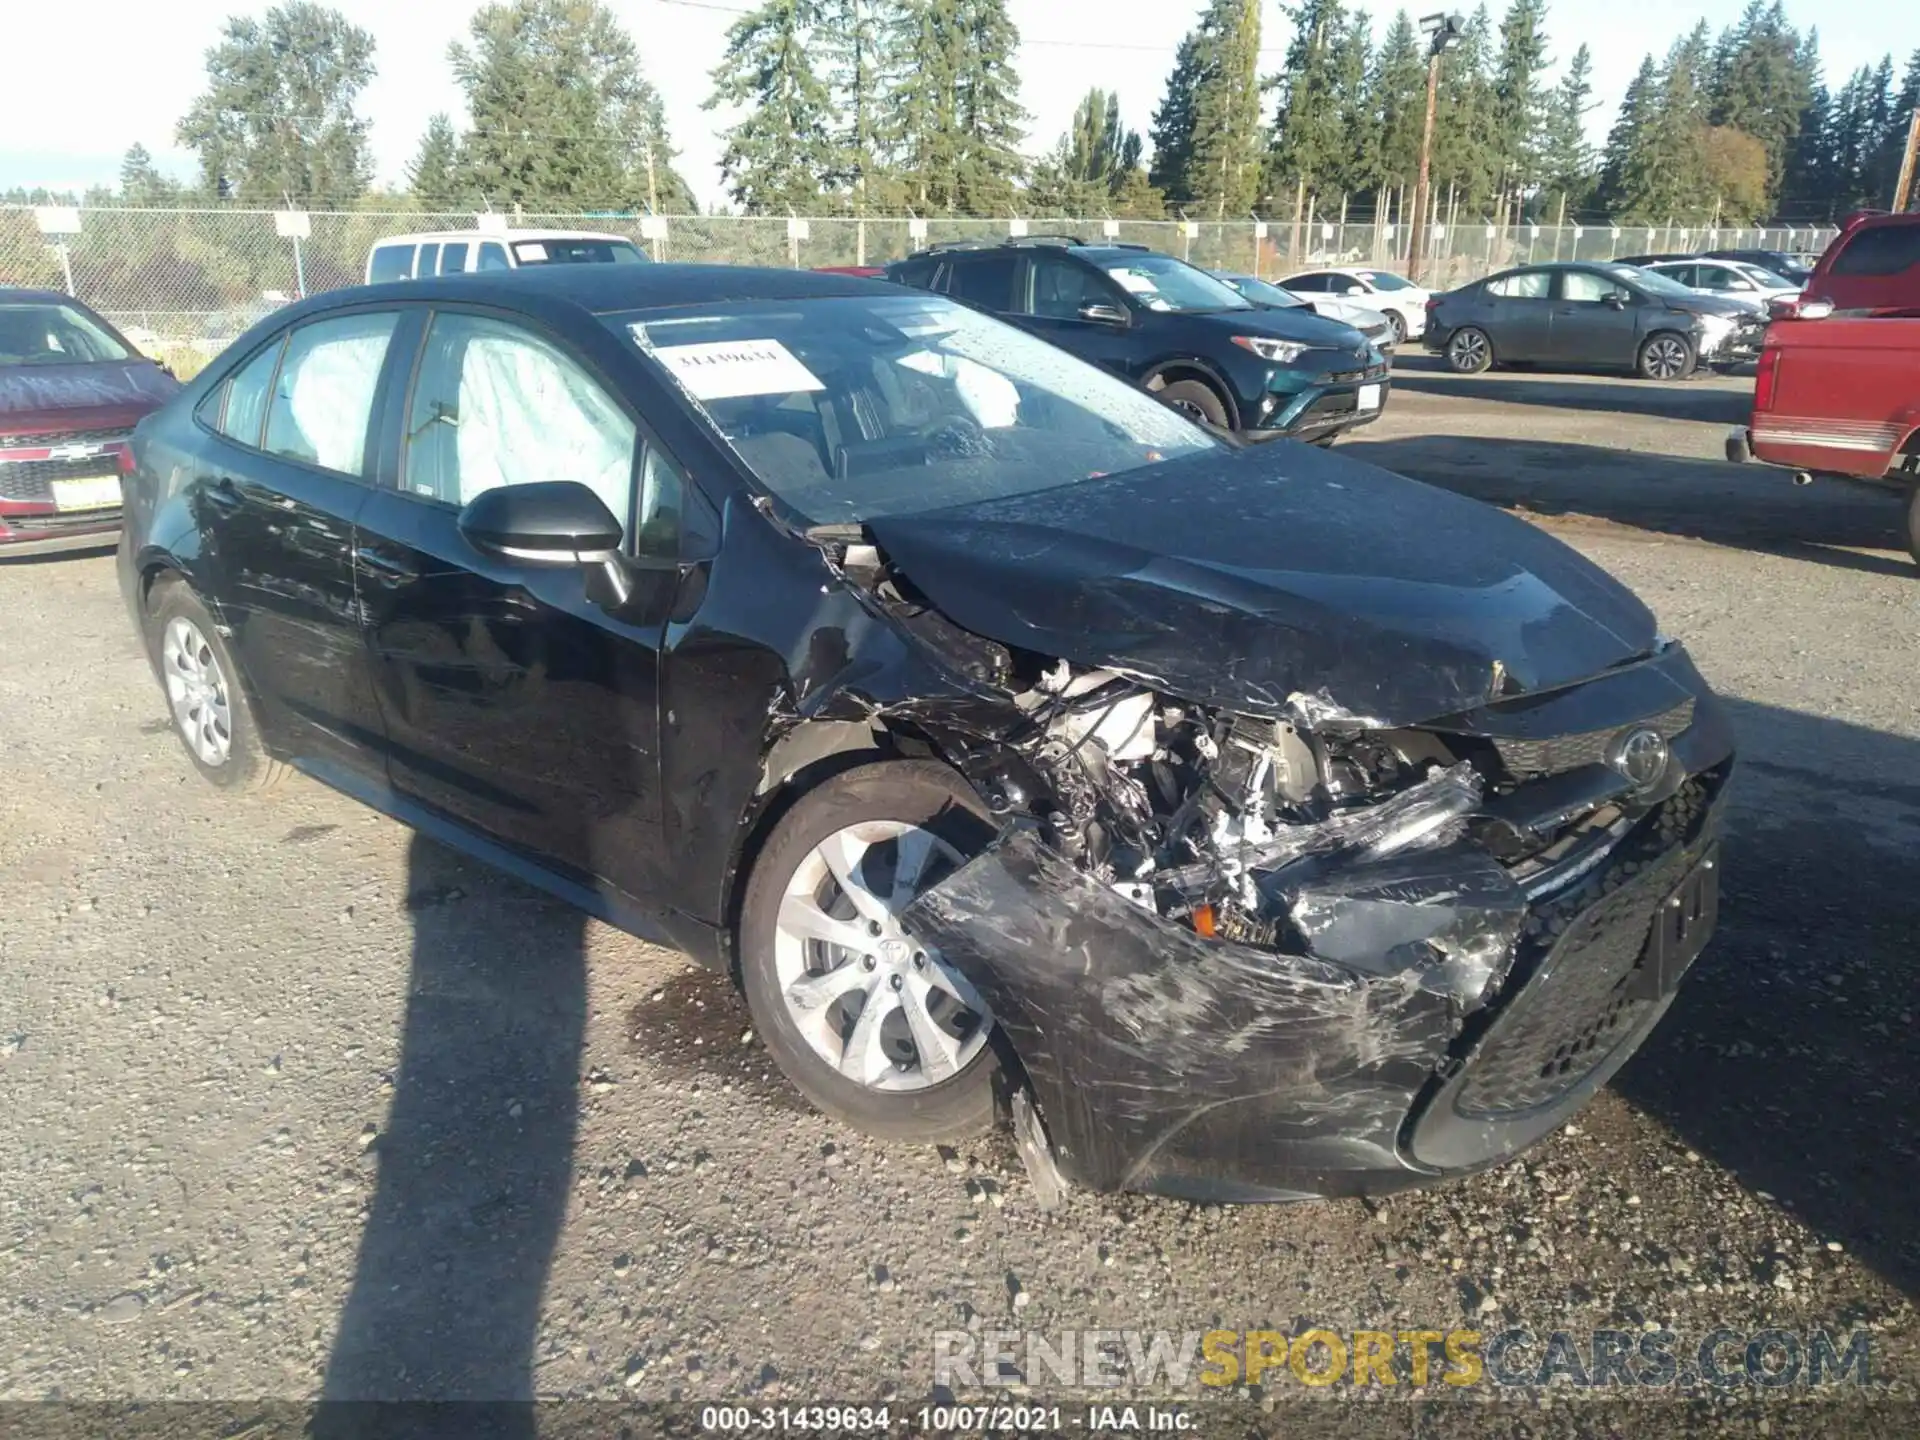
(1385, 280)
(856, 407)
(1061, 287)
(45, 332)
(1630, 278)
(498, 405)
(1521, 285)
(323, 399)
(1261, 293)
(1583, 287)
(1160, 282)
(493, 256)
(390, 262)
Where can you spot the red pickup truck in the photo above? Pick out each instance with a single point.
(1840, 395)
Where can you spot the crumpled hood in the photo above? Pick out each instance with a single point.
(99, 396)
(1277, 580)
(1734, 307)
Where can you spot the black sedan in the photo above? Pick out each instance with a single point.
(1272, 824)
(1599, 315)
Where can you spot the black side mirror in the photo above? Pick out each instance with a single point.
(1614, 300)
(1104, 314)
(552, 522)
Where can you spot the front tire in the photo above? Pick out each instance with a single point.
(1665, 356)
(213, 718)
(866, 1019)
(1197, 401)
(1469, 350)
(1398, 324)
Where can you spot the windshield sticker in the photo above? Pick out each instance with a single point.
(1134, 282)
(531, 250)
(726, 369)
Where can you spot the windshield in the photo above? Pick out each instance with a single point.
(577, 252)
(1651, 281)
(1761, 276)
(45, 332)
(1384, 280)
(1161, 282)
(1263, 293)
(856, 407)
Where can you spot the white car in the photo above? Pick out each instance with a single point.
(1368, 321)
(1727, 277)
(454, 252)
(1399, 299)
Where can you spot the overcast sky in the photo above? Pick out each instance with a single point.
(143, 67)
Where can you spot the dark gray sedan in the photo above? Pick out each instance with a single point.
(1592, 315)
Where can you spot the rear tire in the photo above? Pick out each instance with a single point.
(213, 718)
(1397, 323)
(1469, 350)
(809, 996)
(1665, 356)
(1198, 401)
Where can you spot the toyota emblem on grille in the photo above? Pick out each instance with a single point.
(1641, 756)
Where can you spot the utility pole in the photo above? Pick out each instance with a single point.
(1903, 187)
(1443, 32)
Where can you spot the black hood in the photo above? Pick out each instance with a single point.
(1247, 577)
(1289, 324)
(1732, 306)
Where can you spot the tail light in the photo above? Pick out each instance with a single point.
(1766, 379)
(123, 457)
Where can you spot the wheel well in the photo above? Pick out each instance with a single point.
(152, 578)
(1187, 370)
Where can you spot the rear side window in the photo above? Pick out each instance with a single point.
(1525, 285)
(917, 273)
(453, 259)
(323, 399)
(390, 262)
(245, 397)
(1879, 250)
(493, 257)
(986, 281)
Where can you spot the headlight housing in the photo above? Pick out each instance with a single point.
(1280, 352)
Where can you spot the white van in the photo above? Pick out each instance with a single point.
(455, 252)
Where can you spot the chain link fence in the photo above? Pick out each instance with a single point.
(183, 283)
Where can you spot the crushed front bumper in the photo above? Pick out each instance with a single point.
(1446, 1016)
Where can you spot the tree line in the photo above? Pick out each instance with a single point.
(892, 106)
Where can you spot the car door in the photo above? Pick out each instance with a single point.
(283, 480)
(1518, 314)
(520, 699)
(1587, 330)
(1053, 298)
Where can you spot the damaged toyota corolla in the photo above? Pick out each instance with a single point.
(1258, 823)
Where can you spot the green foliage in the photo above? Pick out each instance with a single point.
(434, 178)
(1519, 97)
(778, 155)
(1172, 129)
(850, 42)
(141, 184)
(1307, 147)
(1566, 159)
(953, 126)
(561, 113)
(277, 117)
(1397, 93)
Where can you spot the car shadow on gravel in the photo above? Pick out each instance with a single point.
(1568, 388)
(1788, 1056)
(476, 1161)
(1749, 507)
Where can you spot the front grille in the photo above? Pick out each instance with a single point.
(1526, 759)
(32, 480)
(1579, 1004)
(40, 439)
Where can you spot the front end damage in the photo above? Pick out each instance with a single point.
(1244, 956)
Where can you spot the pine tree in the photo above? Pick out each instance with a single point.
(142, 184)
(1307, 147)
(987, 107)
(777, 157)
(954, 122)
(1806, 189)
(1627, 140)
(1225, 173)
(1467, 153)
(1094, 143)
(1398, 95)
(1519, 101)
(1172, 129)
(1900, 112)
(1359, 168)
(1756, 83)
(433, 177)
(1566, 159)
(850, 43)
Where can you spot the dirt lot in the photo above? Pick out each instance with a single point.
(221, 1181)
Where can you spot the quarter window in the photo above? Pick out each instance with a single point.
(246, 396)
(323, 399)
(497, 405)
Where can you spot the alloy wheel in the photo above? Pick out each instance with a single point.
(197, 691)
(1666, 357)
(874, 1002)
(1468, 350)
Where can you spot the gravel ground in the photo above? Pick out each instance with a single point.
(587, 1181)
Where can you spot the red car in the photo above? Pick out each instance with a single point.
(71, 390)
(1871, 267)
(865, 272)
(1836, 394)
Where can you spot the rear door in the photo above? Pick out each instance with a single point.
(517, 698)
(1518, 314)
(1586, 330)
(282, 482)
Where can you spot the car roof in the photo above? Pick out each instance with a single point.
(42, 297)
(606, 289)
(427, 237)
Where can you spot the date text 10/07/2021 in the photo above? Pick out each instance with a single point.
(943, 1419)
